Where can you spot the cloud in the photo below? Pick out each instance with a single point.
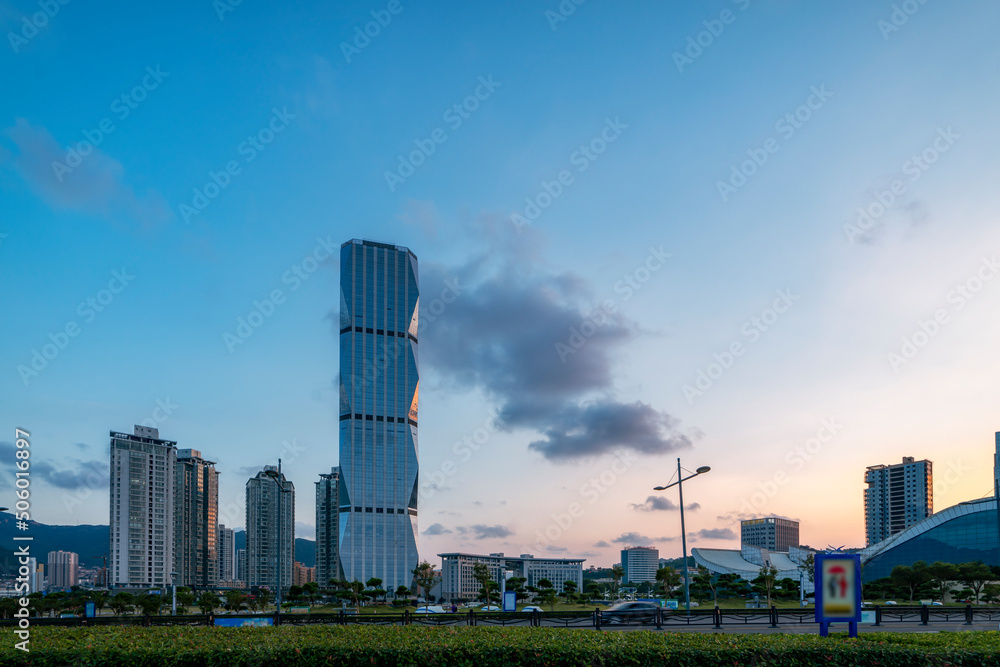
(95, 187)
(482, 531)
(714, 534)
(82, 475)
(305, 530)
(557, 549)
(497, 323)
(437, 529)
(659, 503)
(602, 543)
(638, 539)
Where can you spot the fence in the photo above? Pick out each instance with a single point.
(597, 619)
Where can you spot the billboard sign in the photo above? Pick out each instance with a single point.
(838, 588)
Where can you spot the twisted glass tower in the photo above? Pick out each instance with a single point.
(379, 302)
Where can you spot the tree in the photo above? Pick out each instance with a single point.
(234, 600)
(516, 584)
(765, 580)
(352, 590)
(121, 603)
(376, 585)
(941, 575)
(974, 575)
(100, 599)
(547, 593)
(150, 604)
(402, 592)
(617, 572)
(425, 579)
(991, 593)
(481, 573)
(185, 597)
(208, 601)
(669, 578)
(789, 588)
(8, 606)
(264, 597)
(593, 590)
(910, 578)
(705, 581)
(569, 589)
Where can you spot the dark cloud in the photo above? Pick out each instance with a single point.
(602, 543)
(659, 503)
(496, 324)
(82, 475)
(557, 549)
(714, 534)
(639, 540)
(482, 532)
(437, 529)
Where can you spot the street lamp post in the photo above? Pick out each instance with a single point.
(173, 600)
(276, 476)
(680, 488)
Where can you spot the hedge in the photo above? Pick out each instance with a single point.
(485, 647)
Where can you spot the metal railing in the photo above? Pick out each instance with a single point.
(598, 619)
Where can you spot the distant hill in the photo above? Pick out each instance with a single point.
(90, 543)
(305, 550)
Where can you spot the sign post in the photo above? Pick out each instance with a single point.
(838, 591)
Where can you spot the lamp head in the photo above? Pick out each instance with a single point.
(702, 470)
(659, 488)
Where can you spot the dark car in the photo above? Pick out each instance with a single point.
(630, 612)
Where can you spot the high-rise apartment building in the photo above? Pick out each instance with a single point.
(772, 533)
(328, 527)
(196, 510)
(269, 530)
(142, 508)
(302, 574)
(640, 564)
(62, 568)
(897, 497)
(227, 553)
(378, 412)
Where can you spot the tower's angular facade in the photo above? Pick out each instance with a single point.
(379, 385)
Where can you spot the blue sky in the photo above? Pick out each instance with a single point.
(631, 139)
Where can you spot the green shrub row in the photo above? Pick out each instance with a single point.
(486, 647)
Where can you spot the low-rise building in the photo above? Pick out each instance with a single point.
(459, 585)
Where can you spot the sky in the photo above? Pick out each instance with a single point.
(755, 235)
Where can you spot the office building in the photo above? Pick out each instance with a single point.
(772, 533)
(459, 585)
(226, 543)
(196, 510)
(328, 527)
(36, 575)
(142, 508)
(897, 497)
(269, 530)
(378, 412)
(640, 564)
(62, 568)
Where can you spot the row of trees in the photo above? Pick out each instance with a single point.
(966, 581)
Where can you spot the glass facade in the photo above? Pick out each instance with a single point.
(379, 384)
(960, 534)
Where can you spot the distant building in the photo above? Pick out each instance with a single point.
(772, 533)
(142, 508)
(458, 585)
(62, 569)
(640, 564)
(302, 575)
(328, 527)
(267, 531)
(227, 553)
(196, 511)
(241, 565)
(36, 575)
(898, 496)
(379, 317)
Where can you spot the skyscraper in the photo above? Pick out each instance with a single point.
(897, 497)
(196, 509)
(379, 303)
(142, 508)
(328, 527)
(241, 565)
(227, 553)
(62, 567)
(267, 530)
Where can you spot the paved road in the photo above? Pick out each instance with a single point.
(810, 628)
